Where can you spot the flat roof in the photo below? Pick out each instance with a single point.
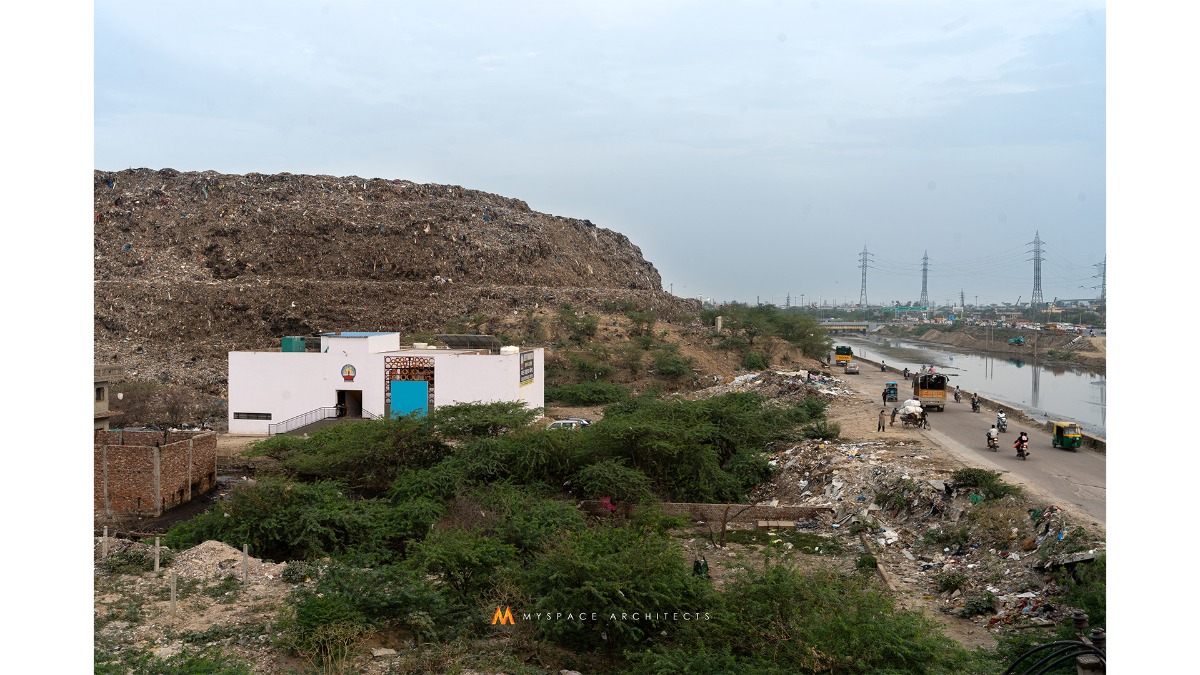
(355, 333)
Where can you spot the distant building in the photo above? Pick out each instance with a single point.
(104, 376)
(367, 375)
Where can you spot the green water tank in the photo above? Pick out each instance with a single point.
(293, 343)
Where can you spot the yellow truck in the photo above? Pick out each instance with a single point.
(930, 390)
(843, 355)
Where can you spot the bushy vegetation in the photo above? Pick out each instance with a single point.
(422, 528)
(749, 327)
(588, 393)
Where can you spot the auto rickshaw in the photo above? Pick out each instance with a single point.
(892, 390)
(1067, 435)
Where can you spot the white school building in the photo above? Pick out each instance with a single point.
(359, 374)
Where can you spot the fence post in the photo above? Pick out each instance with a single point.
(245, 564)
(104, 544)
(156, 555)
(174, 577)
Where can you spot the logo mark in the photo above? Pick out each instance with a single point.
(348, 372)
(504, 617)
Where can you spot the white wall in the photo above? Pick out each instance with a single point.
(287, 384)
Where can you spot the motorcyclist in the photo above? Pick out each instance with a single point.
(974, 402)
(992, 435)
(1001, 421)
(906, 373)
(957, 395)
(1022, 444)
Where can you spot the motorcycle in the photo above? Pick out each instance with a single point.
(957, 396)
(993, 444)
(974, 405)
(1001, 423)
(1023, 446)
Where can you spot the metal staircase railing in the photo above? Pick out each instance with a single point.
(302, 420)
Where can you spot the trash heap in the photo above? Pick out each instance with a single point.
(993, 560)
(788, 385)
(189, 266)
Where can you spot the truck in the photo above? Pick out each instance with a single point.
(930, 390)
(843, 355)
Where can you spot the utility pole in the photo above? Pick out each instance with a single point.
(962, 300)
(788, 302)
(1102, 265)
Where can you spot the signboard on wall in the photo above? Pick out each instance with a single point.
(526, 368)
(348, 372)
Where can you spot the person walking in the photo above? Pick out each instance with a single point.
(895, 411)
(882, 418)
(885, 396)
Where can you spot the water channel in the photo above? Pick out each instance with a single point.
(1056, 392)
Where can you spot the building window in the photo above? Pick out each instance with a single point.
(251, 416)
(99, 393)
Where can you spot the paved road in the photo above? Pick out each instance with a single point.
(1071, 479)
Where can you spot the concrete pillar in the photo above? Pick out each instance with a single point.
(104, 468)
(720, 323)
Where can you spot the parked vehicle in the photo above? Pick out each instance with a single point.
(566, 424)
(852, 369)
(1018, 341)
(1067, 435)
(892, 390)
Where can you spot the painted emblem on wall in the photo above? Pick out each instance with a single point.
(348, 372)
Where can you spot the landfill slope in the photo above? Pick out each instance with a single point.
(191, 265)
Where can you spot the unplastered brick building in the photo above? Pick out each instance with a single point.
(146, 473)
(369, 375)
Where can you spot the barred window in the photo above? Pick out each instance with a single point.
(251, 416)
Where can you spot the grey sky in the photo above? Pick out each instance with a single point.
(750, 149)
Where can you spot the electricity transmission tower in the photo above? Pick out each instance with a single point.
(962, 300)
(925, 280)
(1103, 266)
(862, 294)
(1036, 298)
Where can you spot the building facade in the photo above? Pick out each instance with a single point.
(103, 377)
(373, 375)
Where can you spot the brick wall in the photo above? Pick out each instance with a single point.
(132, 475)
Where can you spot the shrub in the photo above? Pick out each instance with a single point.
(368, 454)
(755, 361)
(951, 581)
(987, 482)
(612, 478)
(820, 621)
(465, 561)
(613, 569)
(823, 429)
(588, 393)
(475, 420)
(283, 520)
(135, 561)
(669, 364)
(588, 369)
(979, 604)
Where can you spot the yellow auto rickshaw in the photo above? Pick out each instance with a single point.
(1067, 435)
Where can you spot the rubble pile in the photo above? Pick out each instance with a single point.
(991, 560)
(215, 559)
(189, 266)
(780, 385)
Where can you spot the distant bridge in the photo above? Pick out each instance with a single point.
(847, 326)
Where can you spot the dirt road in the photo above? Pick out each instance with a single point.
(1075, 481)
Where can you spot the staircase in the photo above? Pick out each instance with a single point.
(313, 420)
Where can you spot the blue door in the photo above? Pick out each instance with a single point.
(408, 396)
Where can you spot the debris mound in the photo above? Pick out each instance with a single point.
(215, 559)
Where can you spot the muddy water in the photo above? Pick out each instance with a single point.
(1054, 392)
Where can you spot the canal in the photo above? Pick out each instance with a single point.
(1056, 392)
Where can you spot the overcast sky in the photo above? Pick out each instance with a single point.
(751, 149)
